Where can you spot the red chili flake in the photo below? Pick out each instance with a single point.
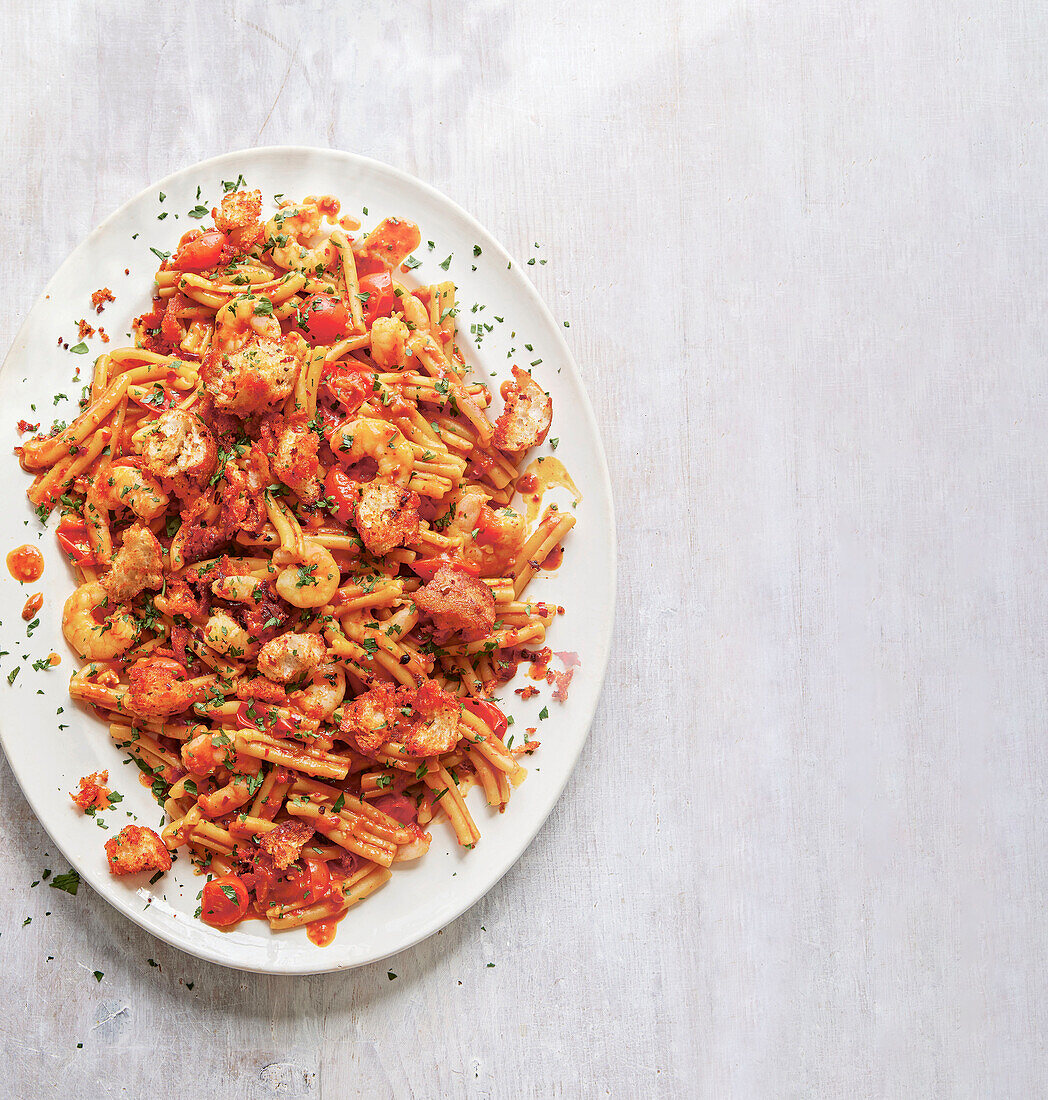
(85, 329)
(24, 426)
(526, 692)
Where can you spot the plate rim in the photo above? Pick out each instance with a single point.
(203, 951)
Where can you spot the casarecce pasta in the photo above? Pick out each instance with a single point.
(300, 568)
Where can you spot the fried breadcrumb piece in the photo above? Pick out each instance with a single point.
(136, 849)
(94, 792)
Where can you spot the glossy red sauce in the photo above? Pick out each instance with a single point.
(25, 563)
(329, 206)
(322, 932)
(553, 559)
(32, 605)
(540, 663)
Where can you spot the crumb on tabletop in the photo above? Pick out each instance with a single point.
(136, 849)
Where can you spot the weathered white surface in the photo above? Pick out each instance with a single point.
(801, 247)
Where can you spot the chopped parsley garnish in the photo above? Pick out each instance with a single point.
(69, 882)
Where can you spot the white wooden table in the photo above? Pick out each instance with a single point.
(802, 250)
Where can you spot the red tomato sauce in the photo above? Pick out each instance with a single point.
(25, 563)
(322, 932)
(553, 559)
(540, 663)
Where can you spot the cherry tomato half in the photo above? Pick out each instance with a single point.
(300, 885)
(225, 901)
(341, 489)
(398, 806)
(322, 319)
(346, 386)
(488, 528)
(377, 294)
(72, 537)
(489, 714)
(251, 714)
(203, 251)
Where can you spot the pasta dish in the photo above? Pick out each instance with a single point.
(301, 569)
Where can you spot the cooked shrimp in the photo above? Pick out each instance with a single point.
(243, 318)
(138, 564)
(389, 341)
(527, 414)
(207, 752)
(321, 697)
(290, 656)
(368, 437)
(237, 589)
(160, 686)
(386, 516)
(490, 539)
(307, 581)
(292, 234)
(129, 487)
(225, 635)
(98, 628)
(177, 446)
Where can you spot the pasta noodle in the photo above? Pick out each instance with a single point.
(300, 573)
